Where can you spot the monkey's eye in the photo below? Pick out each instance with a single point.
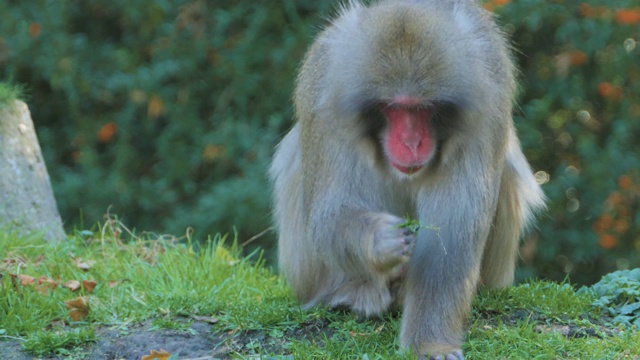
(446, 118)
(371, 118)
(373, 122)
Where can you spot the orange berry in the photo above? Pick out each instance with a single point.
(621, 226)
(625, 182)
(106, 133)
(578, 58)
(628, 16)
(607, 241)
(603, 223)
(35, 29)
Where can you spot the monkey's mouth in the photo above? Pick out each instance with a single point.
(409, 170)
(409, 141)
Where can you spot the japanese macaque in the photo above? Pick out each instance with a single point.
(404, 109)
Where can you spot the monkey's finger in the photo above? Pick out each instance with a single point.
(408, 232)
(408, 238)
(409, 244)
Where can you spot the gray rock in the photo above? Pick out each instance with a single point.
(27, 203)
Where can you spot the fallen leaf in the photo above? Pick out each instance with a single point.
(27, 280)
(112, 283)
(9, 262)
(89, 285)
(24, 279)
(46, 280)
(379, 329)
(78, 308)
(72, 285)
(46, 284)
(159, 355)
(354, 334)
(85, 265)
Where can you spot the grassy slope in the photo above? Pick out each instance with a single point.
(165, 280)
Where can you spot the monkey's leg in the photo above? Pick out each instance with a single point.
(519, 197)
(296, 259)
(444, 270)
(500, 252)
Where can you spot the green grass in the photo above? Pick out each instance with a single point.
(170, 281)
(543, 320)
(10, 92)
(60, 342)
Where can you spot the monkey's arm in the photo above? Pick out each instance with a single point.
(336, 246)
(352, 227)
(363, 250)
(443, 273)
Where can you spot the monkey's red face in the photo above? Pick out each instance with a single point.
(410, 142)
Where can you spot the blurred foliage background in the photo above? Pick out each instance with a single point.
(168, 112)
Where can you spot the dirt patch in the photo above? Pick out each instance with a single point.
(13, 350)
(196, 342)
(201, 341)
(204, 341)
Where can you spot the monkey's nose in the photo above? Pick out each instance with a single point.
(412, 142)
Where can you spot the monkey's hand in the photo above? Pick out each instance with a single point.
(392, 244)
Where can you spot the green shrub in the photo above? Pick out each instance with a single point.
(618, 295)
(580, 123)
(169, 111)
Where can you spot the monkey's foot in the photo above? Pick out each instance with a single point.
(456, 355)
(437, 351)
(364, 298)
